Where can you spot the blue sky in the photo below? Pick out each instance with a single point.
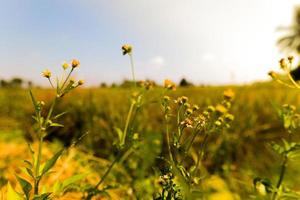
(206, 41)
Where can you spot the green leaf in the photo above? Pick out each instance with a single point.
(50, 163)
(35, 104)
(73, 179)
(26, 186)
(59, 115)
(56, 125)
(12, 194)
(120, 133)
(28, 163)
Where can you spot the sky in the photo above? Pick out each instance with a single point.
(204, 41)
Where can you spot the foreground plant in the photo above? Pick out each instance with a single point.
(45, 119)
(186, 125)
(128, 139)
(287, 149)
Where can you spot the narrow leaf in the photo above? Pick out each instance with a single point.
(26, 186)
(50, 163)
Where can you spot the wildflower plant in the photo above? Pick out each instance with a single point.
(44, 118)
(128, 139)
(287, 149)
(186, 123)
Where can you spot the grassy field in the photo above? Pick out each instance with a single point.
(233, 158)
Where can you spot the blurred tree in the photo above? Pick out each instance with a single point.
(3, 83)
(184, 83)
(103, 85)
(291, 41)
(16, 82)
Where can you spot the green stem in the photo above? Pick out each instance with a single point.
(127, 123)
(281, 176)
(67, 78)
(118, 158)
(168, 142)
(200, 153)
(178, 121)
(132, 69)
(50, 111)
(37, 167)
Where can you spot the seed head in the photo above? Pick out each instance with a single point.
(218, 123)
(65, 65)
(46, 73)
(211, 109)
(81, 82)
(127, 49)
(195, 107)
(273, 75)
(189, 111)
(187, 123)
(291, 59)
(166, 98)
(75, 63)
(283, 63)
(229, 117)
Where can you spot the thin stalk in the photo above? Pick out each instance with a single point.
(67, 78)
(37, 167)
(178, 121)
(200, 153)
(118, 158)
(51, 83)
(107, 172)
(127, 123)
(281, 176)
(132, 69)
(39, 156)
(168, 142)
(50, 111)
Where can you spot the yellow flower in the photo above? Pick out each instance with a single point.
(75, 63)
(80, 82)
(127, 49)
(221, 109)
(228, 94)
(65, 65)
(168, 84)
(46, 73)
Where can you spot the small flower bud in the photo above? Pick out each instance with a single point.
(229, 117)
(195, 107)
(283, 63)
(65, 65)
(291, 59)
(46, 73)
(273, 75)
(127, 49)
(211, 109)
(189, 111)
(75, 63)
(218, 123)
(166, 98)
(80, 82)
